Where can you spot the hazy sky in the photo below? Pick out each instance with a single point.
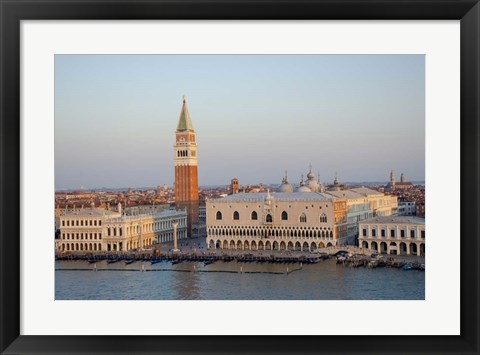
(255, 117)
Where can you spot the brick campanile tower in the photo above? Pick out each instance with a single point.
(186, 170)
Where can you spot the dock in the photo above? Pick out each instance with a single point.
(207, 259)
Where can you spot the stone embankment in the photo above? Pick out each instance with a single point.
(378, 260)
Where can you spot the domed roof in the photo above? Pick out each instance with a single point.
(304, 189)
(310, 175)
(286, 187)
(313, 185)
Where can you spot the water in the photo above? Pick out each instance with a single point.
(323, 281)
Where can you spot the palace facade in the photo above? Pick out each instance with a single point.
(96, 230)
(275, 221)
(305, 218)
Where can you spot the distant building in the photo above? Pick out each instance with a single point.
(420, 209)
(401, 235)
(234, 187)
(96, 230)
(407, 208)
(186, 170)
(336, 185)
(202, 221)
(395, 186)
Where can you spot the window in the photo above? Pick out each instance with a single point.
(392, 232)
(323, 218)
(364, 232)
(374, 232)
(269, 218)
(236, 215)
(402, 233)
(412, 234)
(63, 223)
(219, 215)
(284, 216)
(423, 234)
(254, 216)
(303, 218)
(383, 233)
(77, 223)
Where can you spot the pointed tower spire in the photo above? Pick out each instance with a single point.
(184, 121)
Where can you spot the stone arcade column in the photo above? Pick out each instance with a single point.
(175, 247)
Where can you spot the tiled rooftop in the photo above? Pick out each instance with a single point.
(277, 196)
(395, 219)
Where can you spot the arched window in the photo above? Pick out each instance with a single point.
(219, 215)
(303, 218)
(254, 216)
(236, 216)
(269, 218)
(284, 216)
(323, 218)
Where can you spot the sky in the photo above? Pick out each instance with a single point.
(255, 117)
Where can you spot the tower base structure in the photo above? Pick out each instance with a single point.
(192, 208)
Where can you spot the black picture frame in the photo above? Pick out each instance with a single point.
(13, 11)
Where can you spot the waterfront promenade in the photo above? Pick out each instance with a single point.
(194, 250)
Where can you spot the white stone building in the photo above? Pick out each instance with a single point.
(358, 209)
(381, 204)
(402, 235)
(273, 221)
(96, 230)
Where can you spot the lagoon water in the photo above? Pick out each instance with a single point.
(233, 281)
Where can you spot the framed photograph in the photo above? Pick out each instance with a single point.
(238, 177)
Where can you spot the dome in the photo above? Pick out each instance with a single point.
(303, 188)
(313, 185)
(310, 175)
(286, 187)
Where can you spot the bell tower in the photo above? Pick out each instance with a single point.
(186, 169)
